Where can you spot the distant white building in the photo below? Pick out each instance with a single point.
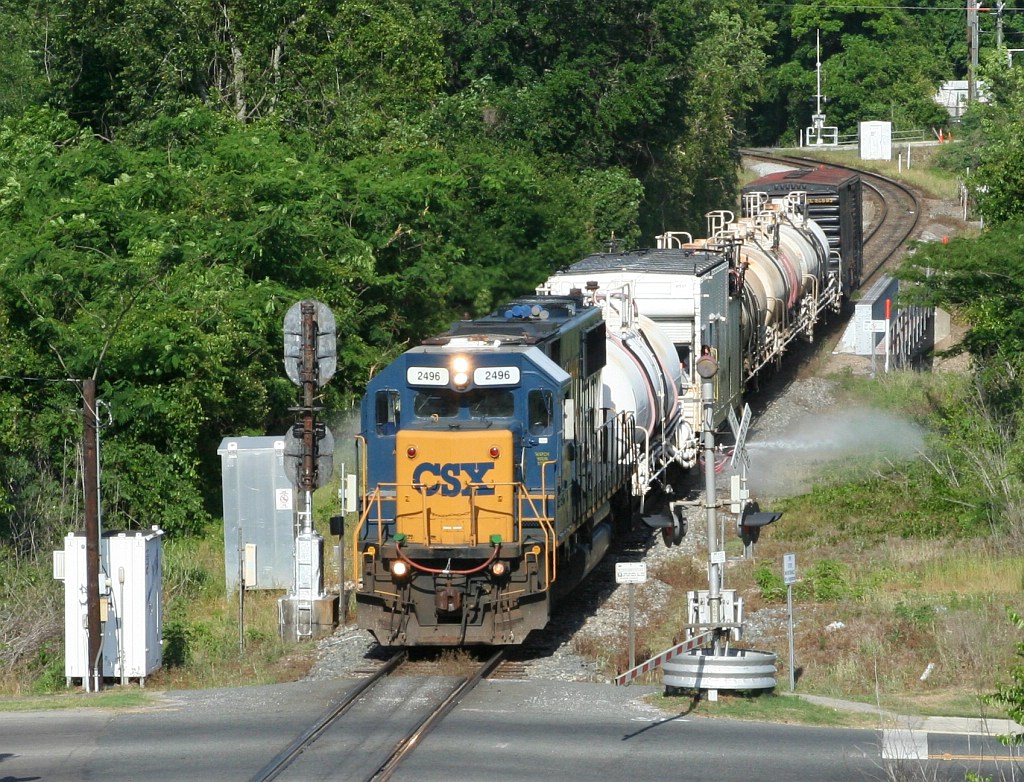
(952, 95)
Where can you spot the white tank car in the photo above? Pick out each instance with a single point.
(644, 375)
(662, 306)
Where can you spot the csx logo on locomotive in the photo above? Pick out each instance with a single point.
(450, 484)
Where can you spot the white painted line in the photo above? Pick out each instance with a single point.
(902, 744)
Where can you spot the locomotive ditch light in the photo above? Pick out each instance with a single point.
(499, 570)
(399, 570)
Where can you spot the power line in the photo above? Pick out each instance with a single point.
(858, 7)
(42, 379)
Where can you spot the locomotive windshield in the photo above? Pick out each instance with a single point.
(480, 403)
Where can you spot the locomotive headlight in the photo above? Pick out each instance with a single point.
(460, 371)
(499, 570)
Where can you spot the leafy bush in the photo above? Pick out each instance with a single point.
(825, 581)
(1010, 696)
(177, 643)
(769, 582)
(48, 669)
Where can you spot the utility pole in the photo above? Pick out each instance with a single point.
(92, 533)
(972, 53)
(999, 25)
(972, 46)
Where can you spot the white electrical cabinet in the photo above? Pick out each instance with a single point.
(875, 140)
(131, 592)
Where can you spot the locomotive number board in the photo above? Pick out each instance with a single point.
(496, 376)
(426, 376)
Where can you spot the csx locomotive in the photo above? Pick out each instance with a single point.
(498, 460)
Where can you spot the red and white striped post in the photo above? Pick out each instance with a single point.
(657, 661)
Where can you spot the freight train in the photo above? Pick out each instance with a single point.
(498, 460)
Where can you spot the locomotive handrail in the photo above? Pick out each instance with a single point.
(541, 518)
(537, 504)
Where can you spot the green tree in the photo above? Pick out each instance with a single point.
(163, 268)
(24, 84)
(659, 89)
(1010, 696)
(349, 66)
(879, 62)
(165, 275)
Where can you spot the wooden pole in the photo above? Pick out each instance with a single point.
(92, 536)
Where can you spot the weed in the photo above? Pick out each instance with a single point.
(177, 644)
(827, 581)
(770, 583)
(920, 615)
(48, 667)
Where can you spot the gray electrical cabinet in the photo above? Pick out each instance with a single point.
(259, 511)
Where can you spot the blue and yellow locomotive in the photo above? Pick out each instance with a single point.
(492, 472)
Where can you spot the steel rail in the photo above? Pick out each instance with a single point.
(285, 757)
(409, 743)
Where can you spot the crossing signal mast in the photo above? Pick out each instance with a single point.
(310, 360)
(706, 661)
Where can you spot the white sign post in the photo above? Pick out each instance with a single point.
(789, 577)
(631, 573)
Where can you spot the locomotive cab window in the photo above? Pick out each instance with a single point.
(388, 411)
(540, 404)
(481, 403)
(683, 351)
(439, 403)
(490, 403)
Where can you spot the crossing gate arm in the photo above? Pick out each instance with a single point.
(658, 660)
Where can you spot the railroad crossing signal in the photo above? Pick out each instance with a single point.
(325, 355)
(739, 433)
(294, 452)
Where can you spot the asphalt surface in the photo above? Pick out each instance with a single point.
(563, 728)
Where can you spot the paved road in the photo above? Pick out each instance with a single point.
(505, 730)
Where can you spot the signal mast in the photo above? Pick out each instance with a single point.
(820, 134)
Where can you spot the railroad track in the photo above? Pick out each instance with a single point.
(895, 207)
(385, 716)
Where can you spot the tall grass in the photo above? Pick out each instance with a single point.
(933, 181)
(210, 639)
(900, 564)
(31, 625)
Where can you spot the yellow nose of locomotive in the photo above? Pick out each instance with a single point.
(454, 488)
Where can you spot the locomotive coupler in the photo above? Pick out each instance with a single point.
(447, 599)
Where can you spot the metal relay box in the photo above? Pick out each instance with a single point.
(131, 594)
(259, 502)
